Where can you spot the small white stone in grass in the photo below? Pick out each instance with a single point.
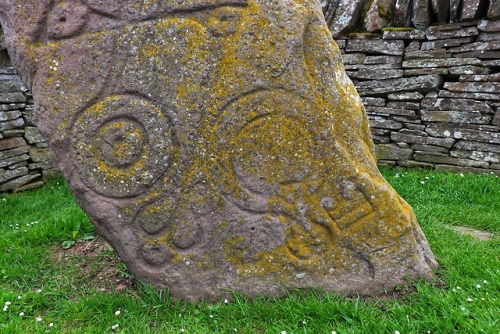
(462, 308)
(115, 326)
(485, 282)
(118, 312)
(8, 303)
(211, 316)
(334, 332)
(39, 291)
(21, 314)
(469, 299)
(283, 332)
(462, 174)
(226, 301)
(5, 308)
(51, 324)
(396, 332)
(459, 288)
(422, 182)
(19, 297)
(38, 319)
(478, 286)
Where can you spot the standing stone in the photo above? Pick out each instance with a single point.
(217, 144)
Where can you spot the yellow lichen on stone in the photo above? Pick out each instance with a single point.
(222, 142)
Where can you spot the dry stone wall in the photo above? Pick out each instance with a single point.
(25, 160)
(433, 99)
(433, 96)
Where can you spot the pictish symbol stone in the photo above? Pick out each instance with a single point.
(122, 145)
(217, 144)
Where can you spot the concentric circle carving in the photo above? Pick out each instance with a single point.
(123, 144)
(278, 153)
(268, 139)
(155, 217)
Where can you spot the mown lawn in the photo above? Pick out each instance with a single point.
(45, 288)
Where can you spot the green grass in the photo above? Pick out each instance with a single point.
(77, 290)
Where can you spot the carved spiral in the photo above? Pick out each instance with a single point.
(123, 145)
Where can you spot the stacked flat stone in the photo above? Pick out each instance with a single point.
(25, 160)
(432, 97)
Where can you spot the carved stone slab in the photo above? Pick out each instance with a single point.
(217, 144)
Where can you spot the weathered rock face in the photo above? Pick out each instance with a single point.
(217, 144)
